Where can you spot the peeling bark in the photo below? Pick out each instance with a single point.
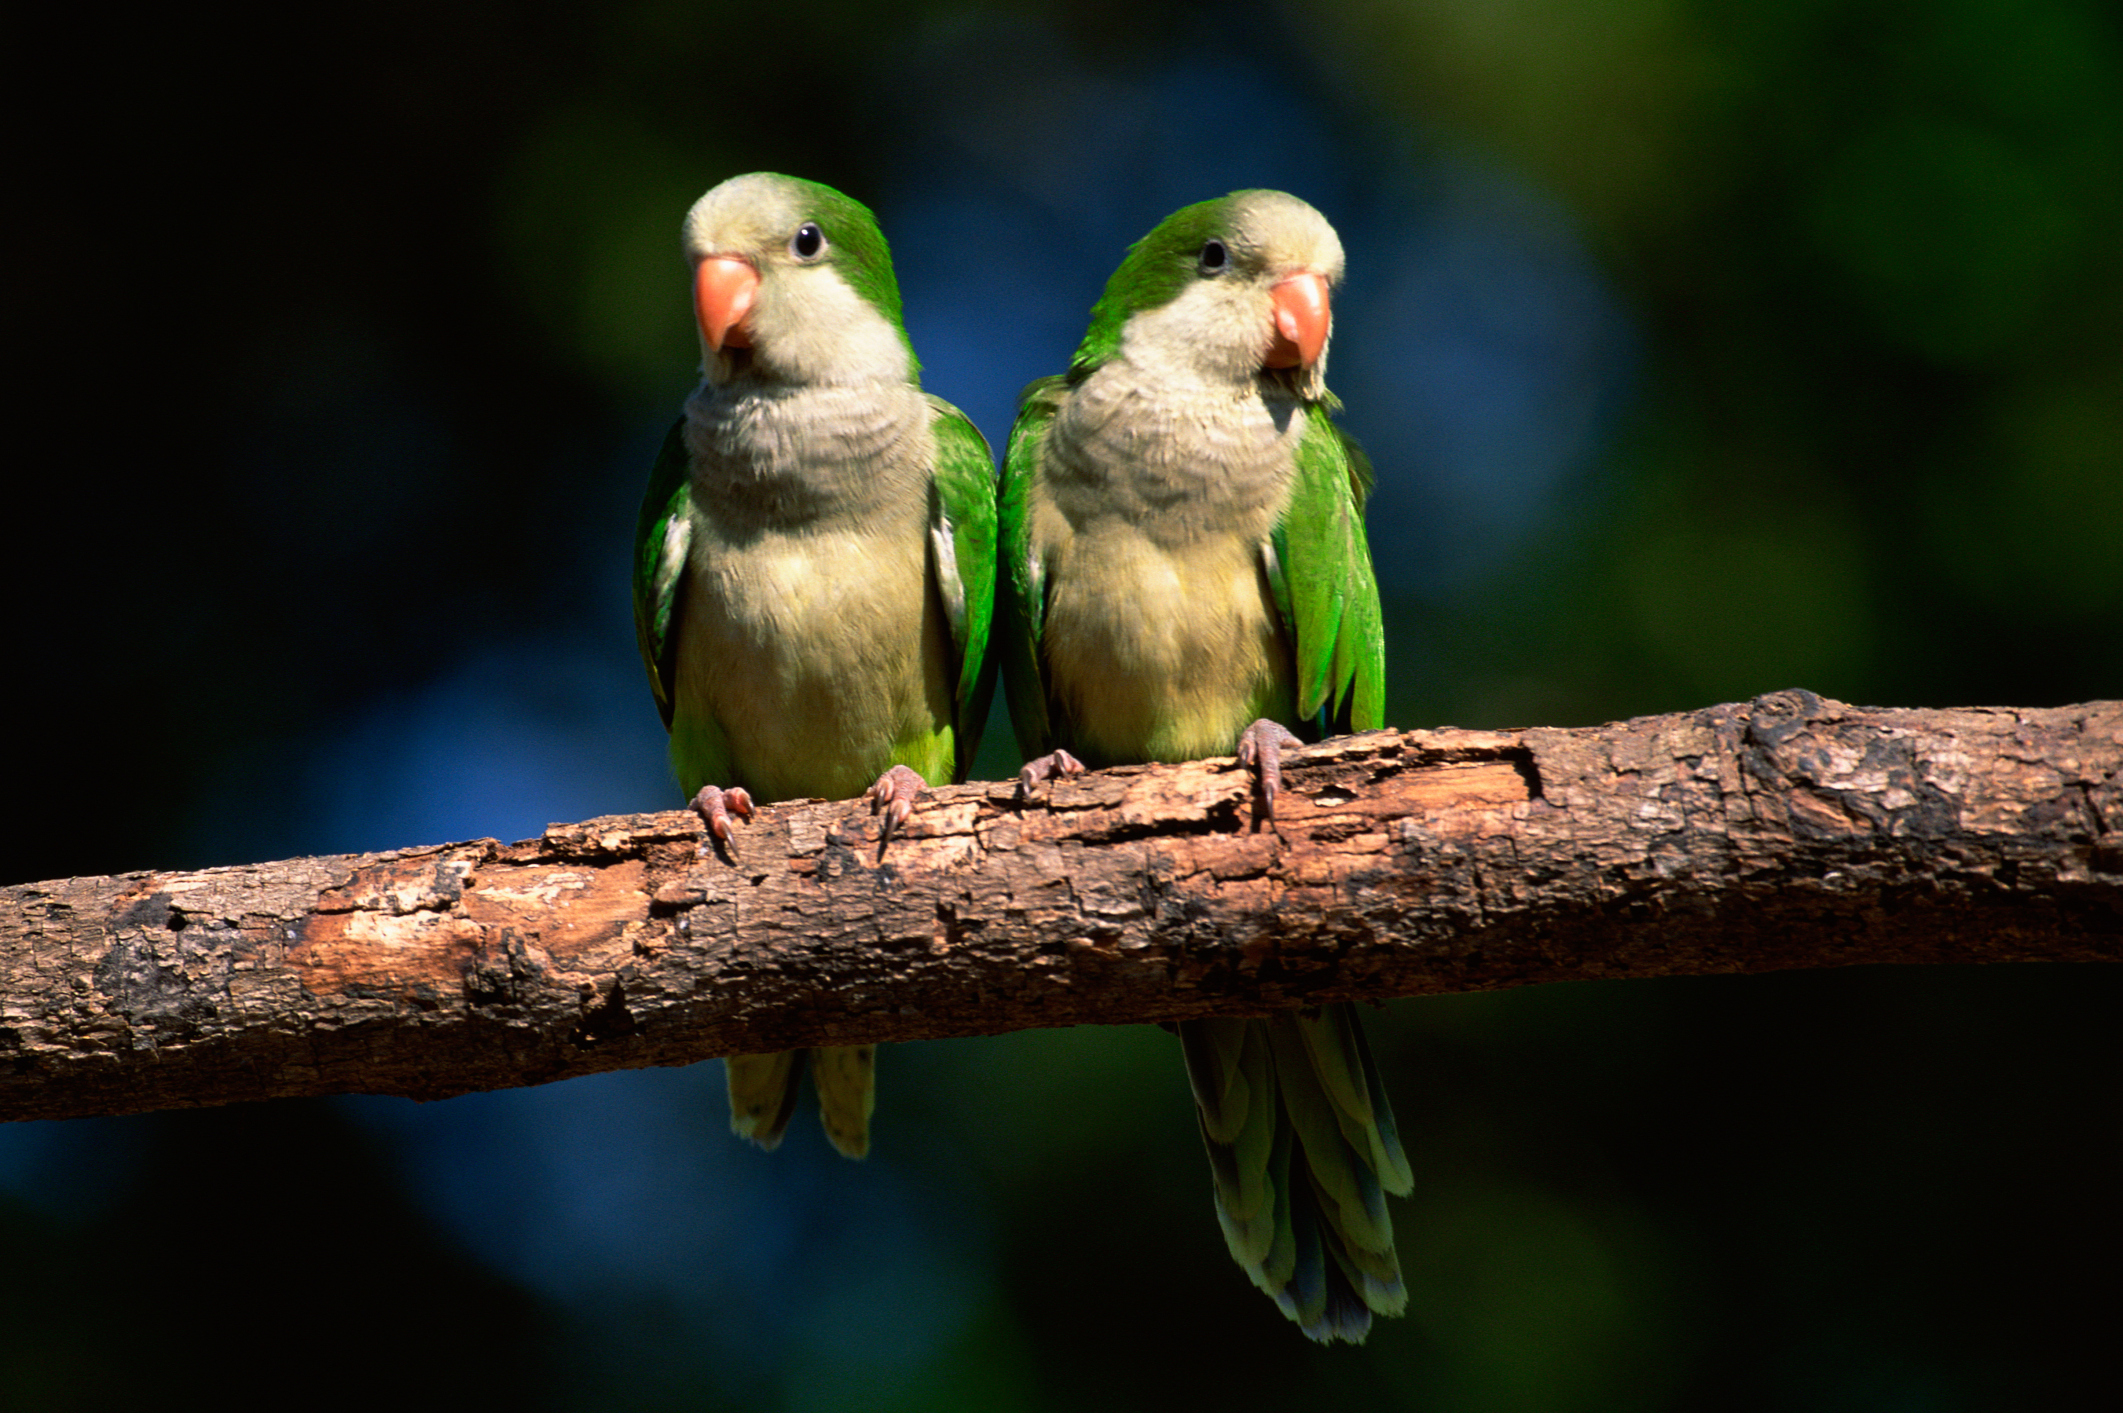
(1784, 832)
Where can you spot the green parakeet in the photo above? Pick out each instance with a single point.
(814, 566)
(1185, 570)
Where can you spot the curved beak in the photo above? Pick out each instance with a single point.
(724, 288)
(1302, 318)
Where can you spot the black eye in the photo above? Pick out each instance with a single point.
(807, 241)
(1214, 257)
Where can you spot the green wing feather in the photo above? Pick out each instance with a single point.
(1023, 580)
(1320, 572)
(662, 533)
(962, 559)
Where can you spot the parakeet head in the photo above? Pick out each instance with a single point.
(1235, 288)
(792, 282)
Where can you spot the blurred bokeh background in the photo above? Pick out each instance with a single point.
(1704, 349)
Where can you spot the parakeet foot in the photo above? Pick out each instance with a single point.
(715, 806)
(1260, 750)
(895, 793)
(1050, 766)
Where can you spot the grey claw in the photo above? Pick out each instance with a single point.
(1050, 766)
(895, 793)
(715, 805)
(1260, 750)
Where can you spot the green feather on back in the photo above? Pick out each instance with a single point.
(662, 532)
(1323, 583)
(1022, 577)
(962, 565)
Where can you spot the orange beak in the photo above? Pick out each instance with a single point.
(1302, 319)
(724, 288)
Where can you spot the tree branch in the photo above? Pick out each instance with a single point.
(1784, 832)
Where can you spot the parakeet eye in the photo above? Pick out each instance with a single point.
(808, 241)
(1214, 257)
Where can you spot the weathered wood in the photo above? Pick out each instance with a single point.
(1785, 832)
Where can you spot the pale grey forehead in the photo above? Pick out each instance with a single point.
(1286, 231)
(758, 208)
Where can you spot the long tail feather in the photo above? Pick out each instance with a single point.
(1394, 1174)
(1302, 1150)
(1234, 1079)
(846, 1076)
(1342, 1169)
(763, 1095)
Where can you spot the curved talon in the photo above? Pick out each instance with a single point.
(895, 793)
(1050, 766)
(715, 806)
(1260, 750)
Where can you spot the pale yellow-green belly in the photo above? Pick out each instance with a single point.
(810, 664)
(1161, 653)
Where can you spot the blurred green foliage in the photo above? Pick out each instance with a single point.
(1877, 252)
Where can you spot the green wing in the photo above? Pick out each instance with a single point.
(663, 533)
(962, 560)
(1319, 568)
(1024, 580)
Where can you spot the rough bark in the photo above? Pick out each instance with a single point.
(1784, 832)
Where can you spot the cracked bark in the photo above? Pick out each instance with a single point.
(1784, 832)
